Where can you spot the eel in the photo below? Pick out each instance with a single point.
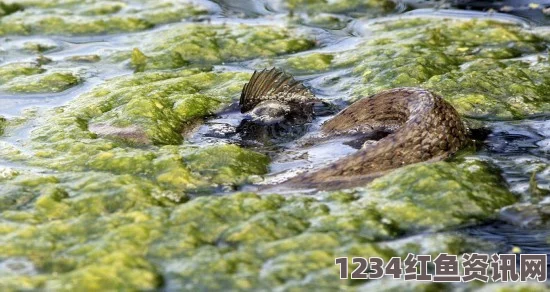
(420, 126)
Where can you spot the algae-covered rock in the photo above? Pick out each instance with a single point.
(435, 196)
(11, 71)
(410, 52)
(236, 241)
(157, 105)
(309, 62)
(30, 77)
(39, 46)
(50, 81)
(203, 44)
(464, 60)
(84, 58)
(107, 128)
(373, 7)
(2, 125)
(496, 90)
(94, 17)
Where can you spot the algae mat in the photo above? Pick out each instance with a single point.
(109, 182)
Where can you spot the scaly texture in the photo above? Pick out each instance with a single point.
(425, 128)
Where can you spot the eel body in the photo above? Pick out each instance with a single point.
(420, 126)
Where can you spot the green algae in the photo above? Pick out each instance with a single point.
(84, 59)
(340, 6)
(11, 71)
(316, 62)
(3, 124)
(439, 195)
(33, 78)
(39, 46)
(9, 8)
(496, 90)
(202, 44)
(159, 104)
(47, 82)
(93, 17)
(100, 130)
(227, 237)
(138, 60)
(111, 194)
(409, 54)
(464, 60)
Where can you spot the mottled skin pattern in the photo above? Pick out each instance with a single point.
(424, 127)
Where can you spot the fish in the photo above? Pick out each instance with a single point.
(276, 107)
(418, 126)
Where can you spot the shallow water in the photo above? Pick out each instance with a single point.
(518, 148)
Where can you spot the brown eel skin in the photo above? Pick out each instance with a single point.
(422, 126)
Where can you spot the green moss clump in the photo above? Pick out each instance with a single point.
(437, 196)
(159, 105)
(202, 44)
(373, 7)
(93, 17)
(11, 71)
(42, 83)
(138, 60)
(39, 46)
(227, 164)
(107, 128)
(94, 224)
(84, 58)
(3, 123)
(315, 62)
(496, 90)
(9, 8)
(466, 61)
(418, 51)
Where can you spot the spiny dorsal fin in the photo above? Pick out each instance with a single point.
(273, 85)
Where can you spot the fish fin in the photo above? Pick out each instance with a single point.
(273, 84)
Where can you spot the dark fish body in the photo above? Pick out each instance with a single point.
(418, 125)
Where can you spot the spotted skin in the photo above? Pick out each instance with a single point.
(425, 128)
(422, 126)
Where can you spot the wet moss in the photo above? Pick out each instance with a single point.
(106, 130)
(9, 8)
(309, 63)
(496, 90)
(340, 6)
(202, 44)
(3, 124)
(42, 83)
(94, 17)
(138, 60)
(434, 196)
(244, 240)
(39, 46)
(467, 61)
(227, 164)
(11, 71)
(84, 59)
